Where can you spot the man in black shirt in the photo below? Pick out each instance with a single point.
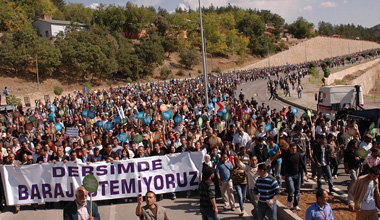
(293, 165)
(208, 207)
(261, 151)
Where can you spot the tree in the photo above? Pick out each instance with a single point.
(12, 16)
(301, 28)
(189, 57)
(75, 12)
(151, 53)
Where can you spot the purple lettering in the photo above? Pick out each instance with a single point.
(73, 171)
(101, 170)
(112, 166)
(22, 192)
(71, 192)
(35, 192)
(58, 171)
(129, 169)
(156, 165)
(103, 185)
(114, 187)
(147, 182)
(193, 181)
(58, 192)
(46, 190)
(158, 186)
(87, 170)
(141, 168)
(128, 189)
(169, 180)
(184, 180)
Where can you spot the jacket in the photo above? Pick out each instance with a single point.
(317, 154)
(70, 212)
(359, 189)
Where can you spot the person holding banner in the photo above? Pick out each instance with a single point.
(79, 209)
(151, 211)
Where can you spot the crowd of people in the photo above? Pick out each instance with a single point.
(250, 146)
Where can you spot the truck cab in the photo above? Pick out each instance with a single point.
(331, 99)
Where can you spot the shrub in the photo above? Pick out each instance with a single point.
(58, 90)
(348, 58)
(189, 58)
(326, 72)
(180, 73)
(88, 84)
(12, 100)
(165, 72)
(129, 80)
(216, 70)
(109, 82)
(312, 65)
(199, 71)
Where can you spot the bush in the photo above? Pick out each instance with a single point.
(129, 80)
(12, 100)
(189, 58)
(165, 72)
(109, 83)
(58, 90)
(326, 72)
(312, 65)
(313, 72)
(216, 70)
(88, 84)
(199, 71)
(348, 58)
(180, 73)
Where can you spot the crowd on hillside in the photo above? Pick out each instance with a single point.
(158, 118)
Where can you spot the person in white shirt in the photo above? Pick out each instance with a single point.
(241, 137)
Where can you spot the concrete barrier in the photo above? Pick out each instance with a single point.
(367, 80)
(284, 213)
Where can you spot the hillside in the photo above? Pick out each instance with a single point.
(376, 29)
(318, 48)
(315, 49)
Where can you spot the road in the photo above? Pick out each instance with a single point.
(259, 87)
(182, 208)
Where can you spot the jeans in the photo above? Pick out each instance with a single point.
(324, 170)
(293, 184)
(241, 192)
(334, 166)
(277, 173)
(210, 216)
(265, 210)
(354, 174)
(254, 203)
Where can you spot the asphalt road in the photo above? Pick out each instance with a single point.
(181, 208)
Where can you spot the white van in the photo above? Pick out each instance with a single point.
(332, 99)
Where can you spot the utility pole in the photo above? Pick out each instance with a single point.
(233, 53)
(203, 55)
(305, 51)
(38, 76)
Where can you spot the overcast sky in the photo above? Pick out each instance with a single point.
(358, 12)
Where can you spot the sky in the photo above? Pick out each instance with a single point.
(358, 12)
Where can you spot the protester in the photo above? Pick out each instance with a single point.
(223, 171)
(252, 175)
(239, 180)
(80, 208)
(151, 210)
(293, 166)
(208, 207)
(266, 192)
(321, 209)
(321, 156)
(365, 195)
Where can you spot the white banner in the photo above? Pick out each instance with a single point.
(72, 132)
(120, 179)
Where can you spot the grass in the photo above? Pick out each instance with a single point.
(316, 77)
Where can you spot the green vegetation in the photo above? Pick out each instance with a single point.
(180, 73)
(130, 41)
(165, 72)
(12, 100)
(347, 31)
(315, 77)
(58, 90)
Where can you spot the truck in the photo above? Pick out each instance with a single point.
(332, 99)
